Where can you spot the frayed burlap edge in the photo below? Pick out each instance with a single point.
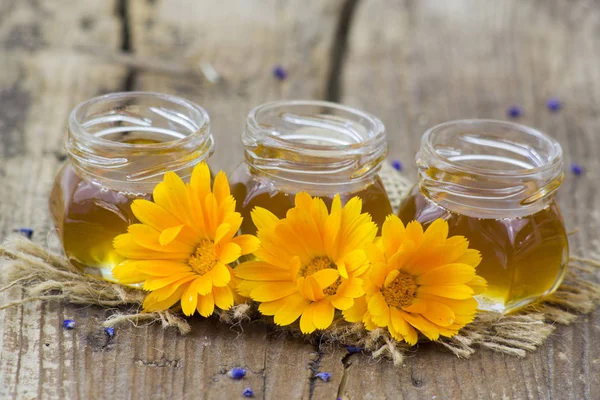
(45, 276)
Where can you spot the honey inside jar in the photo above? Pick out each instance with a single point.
(320, 148)
(523, 258)
(494, 182)
(254, 193)
(119, 148)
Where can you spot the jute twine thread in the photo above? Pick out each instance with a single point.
(46, 276)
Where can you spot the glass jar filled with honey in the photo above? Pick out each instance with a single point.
(119, 147)
(495, 183)
(318, 147)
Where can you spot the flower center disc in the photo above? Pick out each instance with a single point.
(204, 259)
(401, 291)
(318, 264)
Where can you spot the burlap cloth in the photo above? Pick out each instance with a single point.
(47, 276)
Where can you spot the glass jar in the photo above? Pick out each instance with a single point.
(119, 147)
(318, 147)
(495, 183)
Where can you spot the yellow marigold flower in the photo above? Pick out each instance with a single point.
(419, 281)
(183, 244)
(310, 262)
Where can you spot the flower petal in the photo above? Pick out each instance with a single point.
(263, 219)
(261, 271)
(341, 303)
(223, 297)
(357, 311)
(229, 252)
(163, 299)
(248, 243)
(325, 277)
(424, 326)
(221, 187)
(460, 292)
(322, 314)
(450, 274)
(291, 309)
(189, 300)
(202, 285)
(152, 284)
(200, 181)
(206, 305)
(273, 290)
(220, 275)
(306, 320)
(439, 313)
(169, 234)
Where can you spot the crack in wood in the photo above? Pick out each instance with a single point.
(126, 47)
(314, 369)
(346, 366)
(338, 51)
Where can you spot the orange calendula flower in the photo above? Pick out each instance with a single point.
(419, 280)
(309, 263)
(183, 244)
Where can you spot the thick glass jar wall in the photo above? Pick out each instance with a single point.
(318, 147)
(119, 147)
(494, 182)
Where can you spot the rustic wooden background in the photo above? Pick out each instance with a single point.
(414, 63)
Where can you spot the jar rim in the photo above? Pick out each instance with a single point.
(377, 128)
(76, 124)
(554, 158)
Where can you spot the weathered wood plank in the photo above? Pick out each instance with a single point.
(436, 61)
(44, 78)
(243, 42)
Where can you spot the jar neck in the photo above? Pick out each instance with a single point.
(489, 169)
(127, 141)
(314, 143)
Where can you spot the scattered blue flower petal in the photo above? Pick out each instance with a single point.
(27, 232)
(237, 373)
(397, 165)
(324, 376)
(553, 104)
(248, 392)
(353, 349)
(280, 73)
(69, 324)
(110, 331)
(576, 169)
(514, 112)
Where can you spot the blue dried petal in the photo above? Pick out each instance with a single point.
(69, 324)
(324, 376)
(248, 392)
(237, 373)
(514, 111)
(27, 232)
(397, 165)
(280, 73)
(353, 349)
(553, 104)
(110, 331)
(576, 169)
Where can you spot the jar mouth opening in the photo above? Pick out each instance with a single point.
(170, 120)
(492, 148)
(314, 125)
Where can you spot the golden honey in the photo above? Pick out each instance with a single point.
(279, 201)
(119, 147)
(494, 182)
(522, 258)
(321, 148)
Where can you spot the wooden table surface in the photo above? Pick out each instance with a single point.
(414, 63)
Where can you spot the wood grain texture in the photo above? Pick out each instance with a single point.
(425, 62)
(413, 63)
